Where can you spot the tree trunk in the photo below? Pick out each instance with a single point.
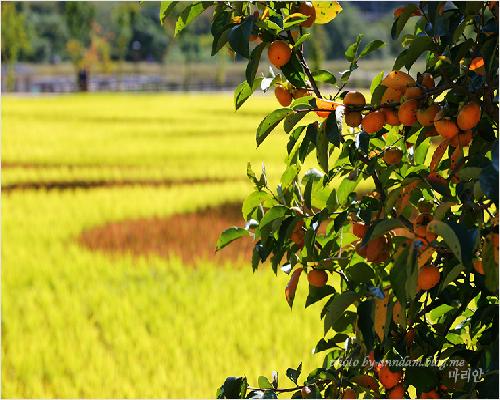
(83, 80)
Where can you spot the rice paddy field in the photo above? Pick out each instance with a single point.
(79, 322)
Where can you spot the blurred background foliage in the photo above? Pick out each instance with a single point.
(50, 25)
(116, 38)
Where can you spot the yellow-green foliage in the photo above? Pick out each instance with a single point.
(83, 324)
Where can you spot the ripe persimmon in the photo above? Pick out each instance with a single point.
(398, 11)
(407, 113)
(391, 117)
(477, 65)
(397, 392)
(412, 93)
(398, 79)
(377, 250)
(354, 98)
(284, 96)
(445, 127)
(306, 8)
(420, 224)
(392, 95)
(353, 118)
(429, 235)
(425, 117)
(366, 381)
(317, 277)
(361, 250)
(300, 92)
(430, 395)
(468, 116)
(478, 266)
(373, 122)
(325, 105)
(428, 277)
(463, 139)
(389, 378)
(393, 156)
(279, 53)
(349, 394)
(298, 234)
(427, 80)
(359, 229)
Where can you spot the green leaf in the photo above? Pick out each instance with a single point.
(408, 57)
(371, 47)
(294, 374)
(273, 214)
(350, 53)
(336, 308)
(360, 273)
(230, 235)
(401, 21)
(333, 128)
(234, 388)
(451, 276)
(294, 20)
(220, 40)
(253, 64)
(376, 81)
(377, 94)
(489, 176)
(166, 7)
(301, 40)
(264, 383)
(294, 72)
(289, 175)
(381, 227)
(399, 275)
(252, 201)
(292, 120)
(322, 148)
(345, 188)
(446, 232)
(189, 14)
(365, 322)
(239, 35)
(316, 294)
(422, 378)
(421, 152)
(243, 92)
(324, 76)
(490, 266)
(270, 122)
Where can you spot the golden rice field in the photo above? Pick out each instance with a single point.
(78, 323)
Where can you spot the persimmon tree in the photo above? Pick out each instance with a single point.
(406, 270)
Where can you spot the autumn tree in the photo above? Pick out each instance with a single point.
(407, 270)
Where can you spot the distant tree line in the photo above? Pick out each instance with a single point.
(133, 33)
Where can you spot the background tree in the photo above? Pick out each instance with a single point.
(122, 16)
(14, 39)
(79, 17)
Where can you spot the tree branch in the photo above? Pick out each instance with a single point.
(305, 66)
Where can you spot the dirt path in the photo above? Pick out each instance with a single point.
(190, 236)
